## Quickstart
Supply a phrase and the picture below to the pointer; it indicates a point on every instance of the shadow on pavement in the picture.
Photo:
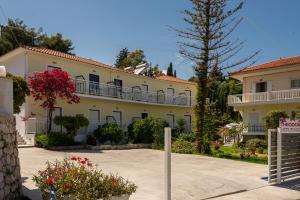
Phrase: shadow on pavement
(33, 194)
(291, 184)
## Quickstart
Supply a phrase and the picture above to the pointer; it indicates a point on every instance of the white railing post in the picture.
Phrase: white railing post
(167, 163)
(279, 154)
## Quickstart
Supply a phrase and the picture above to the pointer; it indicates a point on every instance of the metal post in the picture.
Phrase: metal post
(279, 154)
(167, 163)
(269, 153)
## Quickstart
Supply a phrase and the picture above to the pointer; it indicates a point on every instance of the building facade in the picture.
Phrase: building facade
(107, 94)
(273, 86)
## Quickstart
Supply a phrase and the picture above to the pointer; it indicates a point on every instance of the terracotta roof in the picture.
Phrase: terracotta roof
(174, 79)
(92, 62)
(273, 64)
(68, 56)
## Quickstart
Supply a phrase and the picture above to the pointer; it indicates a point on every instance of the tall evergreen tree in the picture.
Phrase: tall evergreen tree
(121, 57)
(206, 42)
(170, 69)
(175, 74)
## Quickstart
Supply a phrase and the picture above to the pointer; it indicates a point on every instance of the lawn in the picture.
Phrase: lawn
(235, 154)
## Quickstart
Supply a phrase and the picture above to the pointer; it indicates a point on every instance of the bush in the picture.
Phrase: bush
(180, 125)
(53, 139)
(109, 133)
(71, 123)
(91, 140)
(253, 144)
(272, 119)
(190, 137)
(148, 130)
(78, 178)
(182, 146)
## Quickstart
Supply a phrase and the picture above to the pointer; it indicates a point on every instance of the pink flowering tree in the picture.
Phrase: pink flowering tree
(50, 85)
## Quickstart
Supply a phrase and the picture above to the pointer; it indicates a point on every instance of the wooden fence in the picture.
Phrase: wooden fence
(283, 155)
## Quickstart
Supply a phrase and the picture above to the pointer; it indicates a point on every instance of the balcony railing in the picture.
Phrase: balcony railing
(271, 96)
(39, 125)
(132, 94)
(255, 128)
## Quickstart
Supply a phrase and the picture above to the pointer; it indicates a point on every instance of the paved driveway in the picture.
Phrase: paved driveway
(194, 177)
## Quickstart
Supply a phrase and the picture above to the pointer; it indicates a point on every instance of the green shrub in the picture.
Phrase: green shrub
(180, 125)
(71, 123)
(190, 137)
(148, 130)
(109, 132)
(253, 144)
(182, 146)
(205, 141)
(53, 139)
(272, 119)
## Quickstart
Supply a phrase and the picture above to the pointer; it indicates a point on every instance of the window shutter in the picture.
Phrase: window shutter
(269, 86)
(253, 87)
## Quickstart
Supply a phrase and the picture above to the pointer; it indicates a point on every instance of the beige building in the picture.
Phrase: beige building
(271, 86)
(107, 94)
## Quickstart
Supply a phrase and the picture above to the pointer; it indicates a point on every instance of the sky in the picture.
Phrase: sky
(99, 29)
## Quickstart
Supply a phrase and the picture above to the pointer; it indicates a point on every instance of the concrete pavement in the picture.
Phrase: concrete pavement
(194, 177)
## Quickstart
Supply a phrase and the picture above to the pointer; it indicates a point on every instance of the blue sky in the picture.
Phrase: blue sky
(100, 28)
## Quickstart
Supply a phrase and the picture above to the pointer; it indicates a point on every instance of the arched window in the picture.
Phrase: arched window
(182, 99)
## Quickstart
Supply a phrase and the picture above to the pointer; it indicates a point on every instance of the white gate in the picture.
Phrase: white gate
(283, 155)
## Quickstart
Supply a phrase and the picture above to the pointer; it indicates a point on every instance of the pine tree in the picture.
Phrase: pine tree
(207, 42)
(121, 57)
(175, 75)
(170, 69)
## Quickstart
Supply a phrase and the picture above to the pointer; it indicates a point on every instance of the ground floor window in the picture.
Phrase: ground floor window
(171, 120)
(144, 115)
(117, 115)
(188, 122)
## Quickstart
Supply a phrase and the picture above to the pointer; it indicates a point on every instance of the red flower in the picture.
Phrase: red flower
(50, 181)
(86, 159)
(73, 158)
(56, 177)
(83, 162)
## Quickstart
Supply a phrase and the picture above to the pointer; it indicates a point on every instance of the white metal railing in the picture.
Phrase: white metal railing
(39, 125)
(255, 128)
(264, 96)
(133, 94)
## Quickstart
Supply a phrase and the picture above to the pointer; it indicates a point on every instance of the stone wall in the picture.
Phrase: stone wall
(10, 178)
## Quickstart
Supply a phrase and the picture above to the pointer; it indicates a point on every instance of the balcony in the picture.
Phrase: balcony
(254, 129)
(134, 94)
(272, 97)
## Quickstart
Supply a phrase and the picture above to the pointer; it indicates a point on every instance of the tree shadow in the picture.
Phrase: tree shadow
(34, 194)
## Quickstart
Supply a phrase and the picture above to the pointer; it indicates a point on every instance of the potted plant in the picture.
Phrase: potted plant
(77, 178)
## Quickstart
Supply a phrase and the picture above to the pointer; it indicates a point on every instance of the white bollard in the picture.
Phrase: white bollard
(167, 163)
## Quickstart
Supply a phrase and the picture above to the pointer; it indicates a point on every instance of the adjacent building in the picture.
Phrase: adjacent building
(270, 86)
(107, 94)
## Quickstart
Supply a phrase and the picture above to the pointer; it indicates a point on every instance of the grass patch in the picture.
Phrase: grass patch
(235, 154)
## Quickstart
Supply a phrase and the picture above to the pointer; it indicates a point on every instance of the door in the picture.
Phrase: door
(94, 118)
(170, 95)
(118, 84)
(57, 112)
(188, 123)
(117, 115)
(94, 84)
(188, 97)
(171, 120)
(253, 122)
(144, 89)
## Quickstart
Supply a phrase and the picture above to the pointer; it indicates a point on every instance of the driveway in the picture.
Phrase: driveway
(194, 177)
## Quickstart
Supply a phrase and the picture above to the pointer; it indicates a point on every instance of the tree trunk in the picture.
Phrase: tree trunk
(49, 121)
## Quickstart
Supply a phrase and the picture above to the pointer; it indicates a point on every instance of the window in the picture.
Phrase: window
(93, 84)
(117, 115)
(295, 83)
(52, 67)
(144, 115)
(261, 87)
(171, 120)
